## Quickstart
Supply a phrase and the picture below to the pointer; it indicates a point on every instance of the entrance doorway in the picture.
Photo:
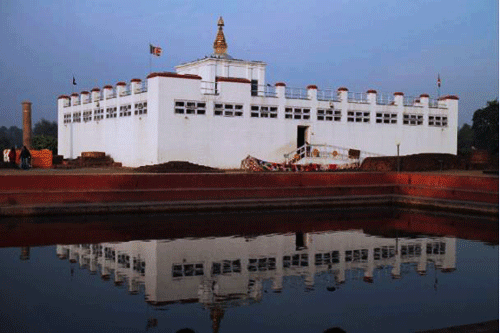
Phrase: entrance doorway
(302, 132)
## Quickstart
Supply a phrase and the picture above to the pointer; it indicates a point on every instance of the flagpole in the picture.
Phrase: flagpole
(150, 56)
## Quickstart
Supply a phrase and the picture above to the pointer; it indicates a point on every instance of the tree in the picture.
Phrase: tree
(485, 127)
(465, 139)
(40, 142)
(45, 127)
(9, 137)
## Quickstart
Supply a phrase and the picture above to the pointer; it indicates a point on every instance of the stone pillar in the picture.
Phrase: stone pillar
(27, 124)
(312, 92)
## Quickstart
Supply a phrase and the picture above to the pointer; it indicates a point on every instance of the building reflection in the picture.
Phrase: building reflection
(230, 271)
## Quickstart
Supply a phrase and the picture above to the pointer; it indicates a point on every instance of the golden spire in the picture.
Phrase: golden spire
(220, 45)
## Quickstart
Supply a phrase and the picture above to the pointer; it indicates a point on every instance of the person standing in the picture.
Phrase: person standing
(25, 158)
(12, 157)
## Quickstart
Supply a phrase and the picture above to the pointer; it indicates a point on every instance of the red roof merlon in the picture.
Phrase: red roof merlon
(312, 86)
(63, 96)
(95, 89)
(399, 93)
(84, 92)
(135, 80)
(171, 74)
(424, 95)
(232, 79)
(121, 83)
(371, 91)
(74, 95)
(342, 89)
(108, 86)
(280, 84)
(449, 97)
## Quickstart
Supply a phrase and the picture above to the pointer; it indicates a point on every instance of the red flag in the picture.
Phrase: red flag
(156, 50)
(439, 81)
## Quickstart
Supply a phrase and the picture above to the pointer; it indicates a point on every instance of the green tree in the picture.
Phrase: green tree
(45, 127)
(485, 127)
(40, 142)
(465, 139)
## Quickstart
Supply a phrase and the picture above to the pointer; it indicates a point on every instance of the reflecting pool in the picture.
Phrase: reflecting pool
(362, 270)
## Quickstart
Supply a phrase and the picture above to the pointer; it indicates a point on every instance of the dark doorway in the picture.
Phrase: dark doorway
(301, 135)
(299, 241)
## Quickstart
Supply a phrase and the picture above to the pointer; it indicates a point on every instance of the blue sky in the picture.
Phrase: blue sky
(388, 46)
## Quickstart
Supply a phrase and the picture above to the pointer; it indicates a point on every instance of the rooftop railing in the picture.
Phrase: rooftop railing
(208, 88)
(295, 93)
(385, 99)
(328, 95)
(354, 97)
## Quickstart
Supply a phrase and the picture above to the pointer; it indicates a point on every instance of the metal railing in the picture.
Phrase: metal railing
(127, 91)
(354, 97)
(324, 151)
(267, 91)
(209, 88)
(409, 100)
(385, 99)
(296, 93)
(328, 95)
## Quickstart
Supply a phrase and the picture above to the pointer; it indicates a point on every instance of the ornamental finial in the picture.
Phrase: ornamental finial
(220, 45)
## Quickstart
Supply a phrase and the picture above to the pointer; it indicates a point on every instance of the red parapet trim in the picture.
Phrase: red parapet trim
(371, 91)
(417, 101)
(121, 83)
(399, 93)
(135, 80)
(95, 89)
(342, 89)
(63, 96)
(424, 95)
(171, 74)
(312, 86)
(449, 97)
(108, 86)
(74, 95)
(280, 84)
(232, 79)
(84, 92)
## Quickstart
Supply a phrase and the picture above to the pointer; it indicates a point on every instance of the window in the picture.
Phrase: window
(141, 108)
(326, 258)
(297, 260)
(358, 117)
(411, 250)
(87, 115)
(261, 264)
(125, 110)
(179, 270)
(111, 112)
(124, 260)
(77, 117)
(190, 107)
(263, 111)
(438, 121)
(255, 87)
(98, 114)
(413, 119)
(297, 113)
(386, 118)
(436, 248)
(67, 118)
(384, 252)
(139, 266)
(328, 115)
(226, 267)
(228, 110)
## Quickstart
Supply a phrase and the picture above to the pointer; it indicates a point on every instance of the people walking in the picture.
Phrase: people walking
(25, 158)
(12, 157)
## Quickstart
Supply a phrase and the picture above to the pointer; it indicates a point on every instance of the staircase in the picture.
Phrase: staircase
(326, 154)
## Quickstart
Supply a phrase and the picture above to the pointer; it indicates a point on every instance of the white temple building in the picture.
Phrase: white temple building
(217, 110)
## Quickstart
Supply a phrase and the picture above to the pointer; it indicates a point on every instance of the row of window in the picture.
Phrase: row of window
(111, 112)
(302, 260)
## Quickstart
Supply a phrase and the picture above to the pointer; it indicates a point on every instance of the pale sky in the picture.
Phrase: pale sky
(388, 46)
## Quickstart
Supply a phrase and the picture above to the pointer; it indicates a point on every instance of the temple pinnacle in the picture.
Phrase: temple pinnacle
(220, 45)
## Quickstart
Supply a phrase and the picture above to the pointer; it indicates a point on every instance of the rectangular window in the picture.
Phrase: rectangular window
(140, 108)
(261, 264)
(87, 115)
(358, 117)
(255, 87)
(438, 121)
(67, 118)
(328, 115)
(226, 267)
(297, 113)
(98, 114)
(179, 270)
(297, 260)
(77, 117)
(111, 112)
(125, 110)
(190, 107)
(386, 118)
(228, 110)
(263, 111)
(413, 119)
